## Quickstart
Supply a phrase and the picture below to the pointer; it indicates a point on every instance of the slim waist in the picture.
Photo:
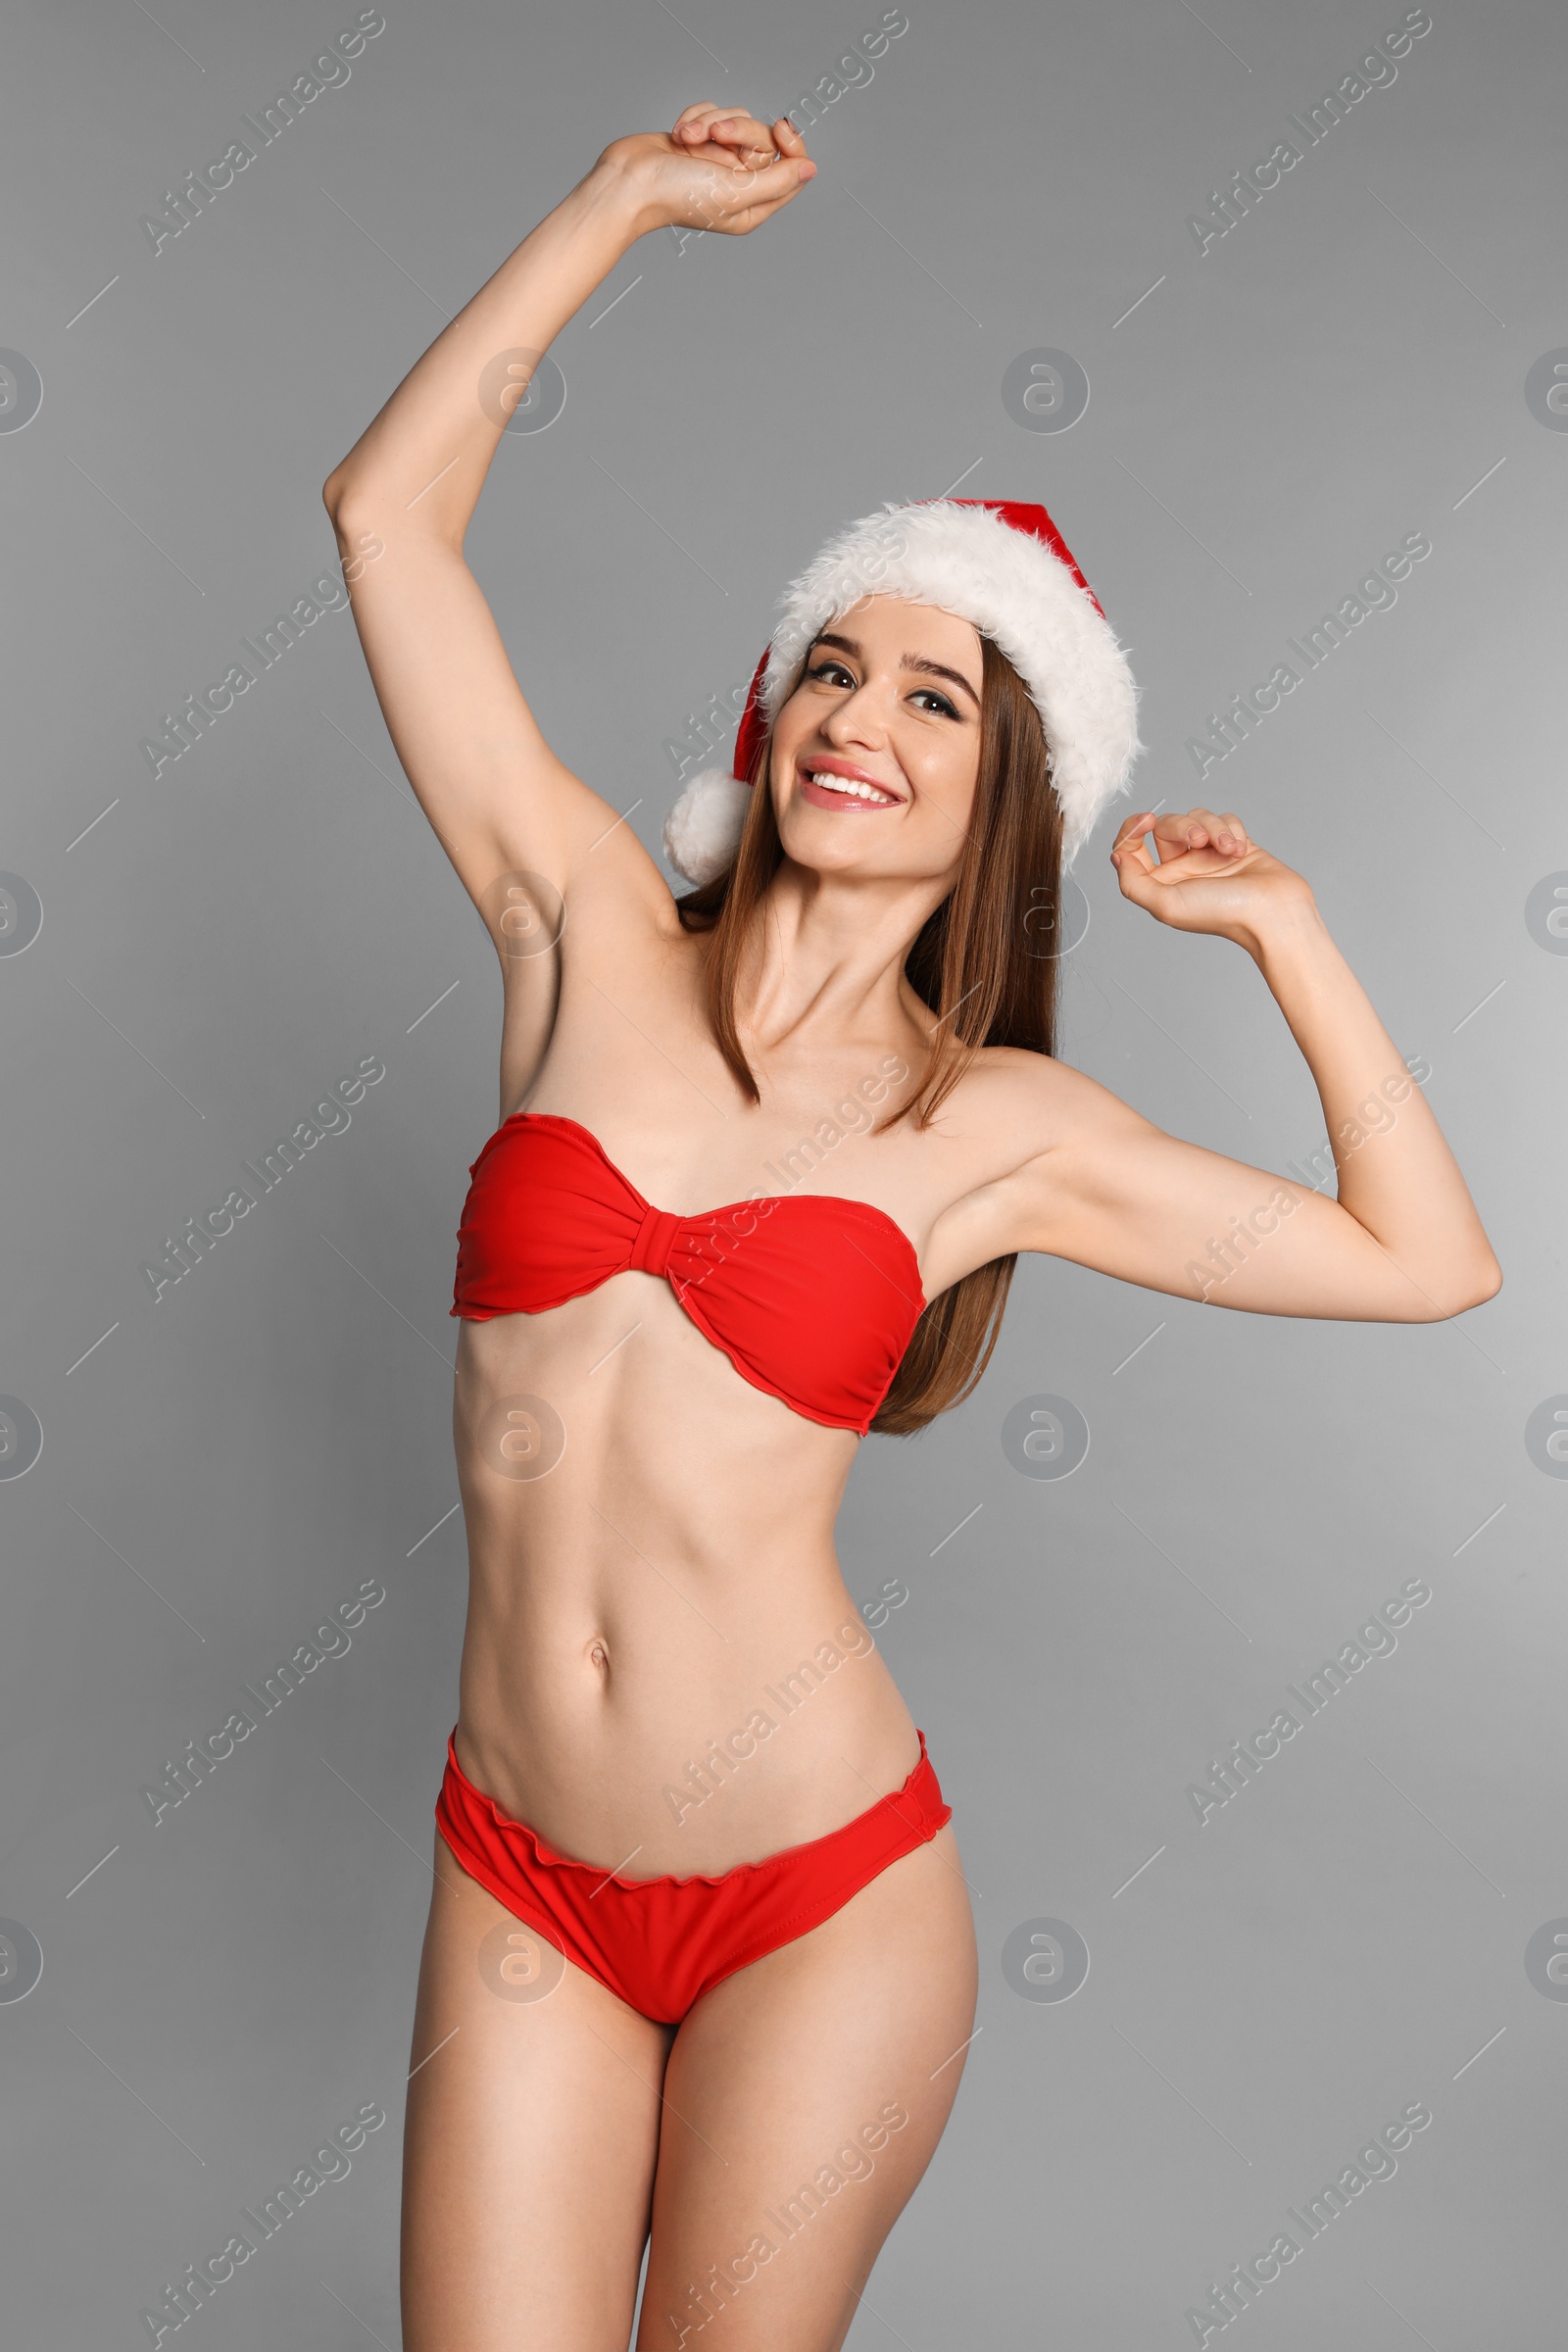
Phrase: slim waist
(466, 1814)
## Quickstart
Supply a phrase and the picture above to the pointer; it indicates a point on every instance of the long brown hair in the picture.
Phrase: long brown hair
(985, 962)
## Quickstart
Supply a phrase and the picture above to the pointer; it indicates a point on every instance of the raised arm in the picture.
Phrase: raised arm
(1403, 1242)
(401, 499)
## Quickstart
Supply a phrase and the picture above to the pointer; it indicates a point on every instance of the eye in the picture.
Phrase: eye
(827, 666)
(930, 693)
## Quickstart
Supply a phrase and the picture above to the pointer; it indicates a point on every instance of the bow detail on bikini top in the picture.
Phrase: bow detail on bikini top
(813, 1298)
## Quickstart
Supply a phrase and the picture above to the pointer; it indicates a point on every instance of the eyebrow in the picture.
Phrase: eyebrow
(935, 669)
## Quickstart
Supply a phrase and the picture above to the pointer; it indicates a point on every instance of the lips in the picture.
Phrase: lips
(837, 784)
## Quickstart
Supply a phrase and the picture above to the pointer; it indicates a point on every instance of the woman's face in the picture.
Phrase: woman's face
(877, 753)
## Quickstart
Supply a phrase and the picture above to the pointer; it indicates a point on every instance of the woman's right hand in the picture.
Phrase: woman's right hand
(502, 803)
(720, 169)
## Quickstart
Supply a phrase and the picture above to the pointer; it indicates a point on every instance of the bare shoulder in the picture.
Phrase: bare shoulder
(1030, 1103)
(1029, 1130)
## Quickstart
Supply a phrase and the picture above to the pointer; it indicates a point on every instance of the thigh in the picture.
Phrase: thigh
(532, 2133)
(814, 2085)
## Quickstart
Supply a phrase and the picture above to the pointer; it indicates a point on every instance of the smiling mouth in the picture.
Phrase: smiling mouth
(826, 790)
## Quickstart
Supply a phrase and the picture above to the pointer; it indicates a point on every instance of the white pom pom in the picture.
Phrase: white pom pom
(704, 828)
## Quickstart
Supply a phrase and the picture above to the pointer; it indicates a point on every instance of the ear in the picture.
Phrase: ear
(702, 831)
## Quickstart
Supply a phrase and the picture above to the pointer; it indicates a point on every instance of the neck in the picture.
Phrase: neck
(827, 958)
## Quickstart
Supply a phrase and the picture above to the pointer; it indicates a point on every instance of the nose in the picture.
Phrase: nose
(859, 718)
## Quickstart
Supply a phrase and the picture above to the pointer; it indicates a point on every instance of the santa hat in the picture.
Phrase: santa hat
(998, 563)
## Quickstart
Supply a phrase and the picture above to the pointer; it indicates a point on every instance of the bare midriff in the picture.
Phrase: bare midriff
(658, 1592)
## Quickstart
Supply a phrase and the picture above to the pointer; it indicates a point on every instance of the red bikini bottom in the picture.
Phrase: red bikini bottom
(661, 1944)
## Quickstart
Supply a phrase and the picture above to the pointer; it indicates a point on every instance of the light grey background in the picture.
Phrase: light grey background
(1338, 370)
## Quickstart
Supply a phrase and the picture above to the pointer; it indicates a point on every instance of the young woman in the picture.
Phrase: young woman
(700, 1968)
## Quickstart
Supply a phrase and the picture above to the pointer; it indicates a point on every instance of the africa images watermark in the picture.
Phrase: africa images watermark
(1246, 2281)
(855, 1117)
(1231, 1251)
(724, 1758)
(330, 1640)
(708, 2298)
(1229, 726)
(1377, 70)
(1228, 1776)
(850, 72)
(199, 1233)
(1318, 1169)
(706, 729)
(186, 204)
(713, 1236)
(178, 730)
(200, 2282)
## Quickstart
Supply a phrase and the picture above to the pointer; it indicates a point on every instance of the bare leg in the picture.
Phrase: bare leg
(531, 2138)
(792, 2077)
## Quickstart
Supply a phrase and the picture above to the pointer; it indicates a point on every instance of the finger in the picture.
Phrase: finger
(1129, 853)
(742, 196)
(1137, 874)
(1184, 830)
(703, 111)
(1225, 835)
(743, 140)
(729, 127)
(744, 128)
(734, 162)
(1132, 828)
(692, 133)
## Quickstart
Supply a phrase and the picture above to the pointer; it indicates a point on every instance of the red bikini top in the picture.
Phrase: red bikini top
(813, 1298)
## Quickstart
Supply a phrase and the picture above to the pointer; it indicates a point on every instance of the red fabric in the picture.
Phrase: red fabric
(661, 1944)
(1017, 513)
(753, 723)
(813, 1298)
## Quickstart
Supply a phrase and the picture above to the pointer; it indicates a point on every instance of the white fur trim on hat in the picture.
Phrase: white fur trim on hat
(704, 827)
(968, 561)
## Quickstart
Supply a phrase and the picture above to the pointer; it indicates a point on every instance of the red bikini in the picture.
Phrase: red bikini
(661, 1943)
(549, 1217)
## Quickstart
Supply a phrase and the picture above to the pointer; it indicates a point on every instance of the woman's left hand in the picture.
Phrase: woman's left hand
(1209, 875)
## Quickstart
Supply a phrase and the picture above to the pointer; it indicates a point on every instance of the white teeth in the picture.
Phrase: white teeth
(849, 784)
